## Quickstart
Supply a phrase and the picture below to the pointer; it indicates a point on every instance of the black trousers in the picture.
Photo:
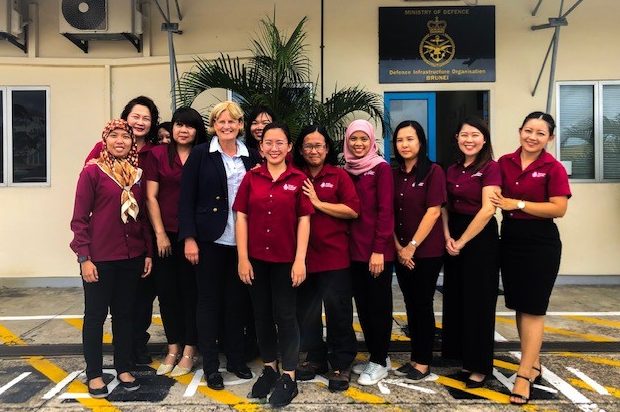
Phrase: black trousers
(373, 300)
(176, 289)
(275, 312)
(418, 287)
(334, 289)
(223, 305)
(116, 290)
(146, 292)
(470, 287)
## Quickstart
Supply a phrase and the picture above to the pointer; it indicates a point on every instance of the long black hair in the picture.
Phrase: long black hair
(281, 126)
(542, 116)
(150, 104)
(486, 153)
(331, 157)
(423, 164)
(250, 141)
(188, 117)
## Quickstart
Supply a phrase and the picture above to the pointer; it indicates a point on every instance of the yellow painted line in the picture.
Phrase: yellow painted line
(505, 365)
(157, 320)
(565, 332)
(591, 358)
(9, 338)
(581, 384)
(57, 374)
(224, 397)
(482, 392)
(403, 318)
(364, 397)
(596, 321)
(79, 325)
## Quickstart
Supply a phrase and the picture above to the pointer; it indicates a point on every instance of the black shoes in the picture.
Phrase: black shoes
(415, 375)
(523, 400)
(99, 392)
(265, 383)
(404, 370)
(339, 381)
(472, 384)
(130, 386)
(284, 392)
(538, 379)
(241, 371)
(215, 381)
(309, 369)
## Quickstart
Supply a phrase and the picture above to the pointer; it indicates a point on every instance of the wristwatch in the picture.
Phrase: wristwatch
(82, 259)
(521, 204)
(413, 243)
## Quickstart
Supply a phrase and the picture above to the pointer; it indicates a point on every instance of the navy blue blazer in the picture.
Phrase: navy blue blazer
(203, 203)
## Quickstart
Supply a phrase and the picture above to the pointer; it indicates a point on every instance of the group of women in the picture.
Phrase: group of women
(265, 227)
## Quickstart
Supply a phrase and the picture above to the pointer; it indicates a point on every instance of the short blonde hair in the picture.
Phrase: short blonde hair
(233, 109)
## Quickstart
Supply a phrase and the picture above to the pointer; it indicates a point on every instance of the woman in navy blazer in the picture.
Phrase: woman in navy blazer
(211, 177)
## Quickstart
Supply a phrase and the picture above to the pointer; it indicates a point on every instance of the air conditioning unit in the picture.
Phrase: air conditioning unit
(11, 12)
(100, 17)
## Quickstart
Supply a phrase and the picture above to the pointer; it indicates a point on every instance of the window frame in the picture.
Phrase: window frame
(597, 88)
(7, 92)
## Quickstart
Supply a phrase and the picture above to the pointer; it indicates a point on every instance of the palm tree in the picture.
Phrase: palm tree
(278, 76)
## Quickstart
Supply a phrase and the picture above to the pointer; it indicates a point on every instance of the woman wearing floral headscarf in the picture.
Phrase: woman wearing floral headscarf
(112, 241)
(371, 247)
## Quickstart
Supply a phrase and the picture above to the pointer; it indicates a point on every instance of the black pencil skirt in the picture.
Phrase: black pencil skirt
(530, 261)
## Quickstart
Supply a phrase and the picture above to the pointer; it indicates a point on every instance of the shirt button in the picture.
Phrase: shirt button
(463, 171)
(269, 212)
(267, 248)
(511, 214)
(126, 235)
(270, 195)
(405, 179)
(457, 185)
(400, 208)
(217, 198)
(517, 183)
(401, 194)
(400, 224)
(215, 209)
(268, 230)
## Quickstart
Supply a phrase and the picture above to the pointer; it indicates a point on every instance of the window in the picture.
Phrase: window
(589, 129)
(24, 134)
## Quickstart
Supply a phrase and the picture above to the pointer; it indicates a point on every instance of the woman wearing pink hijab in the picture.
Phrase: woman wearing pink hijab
(371, 247)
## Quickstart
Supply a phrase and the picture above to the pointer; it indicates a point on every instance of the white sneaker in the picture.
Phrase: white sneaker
(359, 368)
(373, 373)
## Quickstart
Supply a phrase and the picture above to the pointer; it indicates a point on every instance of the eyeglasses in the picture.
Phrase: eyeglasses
(269, 144)
(319, 147)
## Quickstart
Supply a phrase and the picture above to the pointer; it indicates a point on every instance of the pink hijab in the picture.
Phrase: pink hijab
(354, 165)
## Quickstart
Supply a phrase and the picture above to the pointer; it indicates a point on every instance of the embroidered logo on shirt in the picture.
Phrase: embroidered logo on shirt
(369, 173)
(538, 174)
(290, 187)
(326, 185)
(479, 174)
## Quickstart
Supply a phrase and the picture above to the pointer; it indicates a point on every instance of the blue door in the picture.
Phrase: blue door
(420, 107)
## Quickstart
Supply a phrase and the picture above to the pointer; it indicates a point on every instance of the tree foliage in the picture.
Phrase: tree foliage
(277, 75)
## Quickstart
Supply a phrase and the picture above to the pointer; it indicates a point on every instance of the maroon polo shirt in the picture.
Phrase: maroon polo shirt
(142, 154)
(98, 230)
(411, 201)
(329, 236)
(465, 186)
(545, 177)
(373, 231)
(273, 208)
(157, 168)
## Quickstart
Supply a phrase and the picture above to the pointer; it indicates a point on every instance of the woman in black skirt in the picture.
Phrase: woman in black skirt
(535, 190)
(471, 268)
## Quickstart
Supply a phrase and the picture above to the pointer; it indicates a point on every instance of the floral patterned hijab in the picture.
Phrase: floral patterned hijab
(124, 171)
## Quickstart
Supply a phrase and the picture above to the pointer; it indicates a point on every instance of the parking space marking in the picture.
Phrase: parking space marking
(13, 382)
(489, 394)
(9, 338)
(223, 396)
(615, 392)
(565, 332)
(600, 322)
(598, 388)
(394, 337)
(60, 385)
(79, 325)
(592, 358)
